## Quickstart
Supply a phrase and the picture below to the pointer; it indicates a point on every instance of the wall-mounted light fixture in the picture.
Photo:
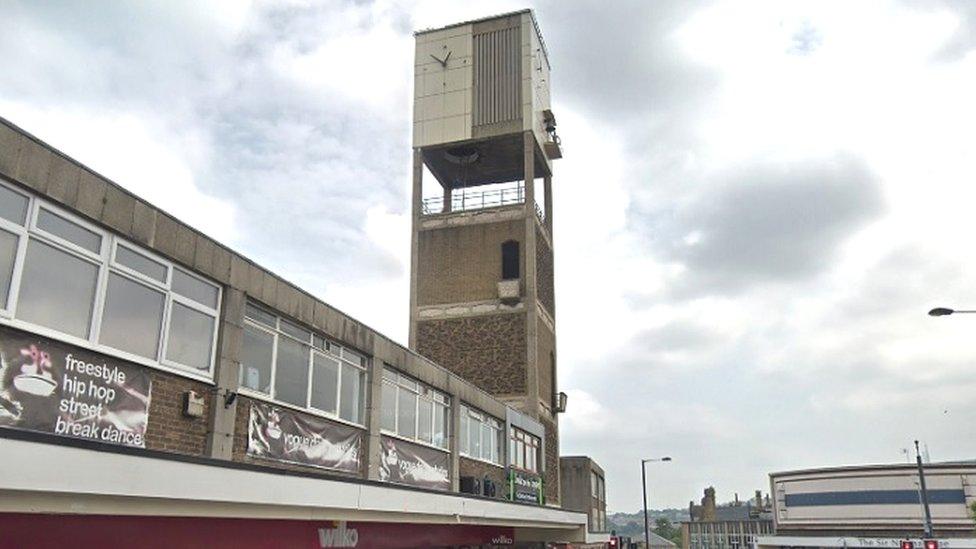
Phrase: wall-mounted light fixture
(561, 400)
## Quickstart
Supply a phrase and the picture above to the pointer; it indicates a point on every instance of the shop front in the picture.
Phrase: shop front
(100, 531)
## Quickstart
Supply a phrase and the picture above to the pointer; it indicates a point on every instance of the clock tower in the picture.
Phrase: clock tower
(484, 139)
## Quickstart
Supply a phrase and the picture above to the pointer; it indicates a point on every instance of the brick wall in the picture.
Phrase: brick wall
(552, 460)
(463, 264)
(544, 274)
(545, 349)
(488, 351)
(168, 429)
(480, 469)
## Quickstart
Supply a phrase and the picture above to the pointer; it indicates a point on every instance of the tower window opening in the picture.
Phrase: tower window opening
(510, 260)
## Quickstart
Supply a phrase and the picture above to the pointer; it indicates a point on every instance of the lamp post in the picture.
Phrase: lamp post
(925, 496)
(647, 528)
(944, 311)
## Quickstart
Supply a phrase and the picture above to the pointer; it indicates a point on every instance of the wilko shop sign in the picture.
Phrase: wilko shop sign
(40, 531)
(503, 540)
(524, 487)
(52, 387)
(338, 535)
(282, 435)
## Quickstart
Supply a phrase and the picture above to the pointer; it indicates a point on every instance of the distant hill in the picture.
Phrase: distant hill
(631, 524)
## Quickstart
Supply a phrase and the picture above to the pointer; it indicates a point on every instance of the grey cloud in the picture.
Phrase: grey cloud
(675, 336)
(623, 67)
(301, 166)
(770, 223)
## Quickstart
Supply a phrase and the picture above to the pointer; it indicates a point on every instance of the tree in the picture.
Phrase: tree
(664, 528)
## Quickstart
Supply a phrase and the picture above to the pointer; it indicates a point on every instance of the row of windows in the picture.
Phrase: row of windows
(60, 274)
(598, 513)
(63, 275)
(523, 450)
(480, 436)
(285, 362)
(414, 410)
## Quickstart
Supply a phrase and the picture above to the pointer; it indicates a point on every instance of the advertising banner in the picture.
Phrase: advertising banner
(283, 435)
(52, 387)
(413, 464)
(524, 487)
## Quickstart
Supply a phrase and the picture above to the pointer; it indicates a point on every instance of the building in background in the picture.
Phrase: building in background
(872, 506)
(734, 526)
(583, 485)
(482, 300)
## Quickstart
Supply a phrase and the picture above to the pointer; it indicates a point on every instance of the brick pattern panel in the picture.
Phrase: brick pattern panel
(480, 470)
(168, 429)
(240, 447)
(488, 351)
(544, 274)
(552, 460)
(546, 357)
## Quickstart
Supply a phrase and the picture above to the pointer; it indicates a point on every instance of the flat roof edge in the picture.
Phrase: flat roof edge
(472, 21)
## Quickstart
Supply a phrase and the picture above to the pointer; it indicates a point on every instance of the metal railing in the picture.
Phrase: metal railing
(466, 200)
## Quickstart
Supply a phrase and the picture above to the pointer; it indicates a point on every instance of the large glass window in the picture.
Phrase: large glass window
(413, 410)
(481, 435)
(257, 357)
(57, 289)
(13, 205)
(8, 256)
(189, 336)
(388, 422)
(325, 383)
(133, 316)
(524, 449)
(59, 273)
(290, 364)
(351, 398)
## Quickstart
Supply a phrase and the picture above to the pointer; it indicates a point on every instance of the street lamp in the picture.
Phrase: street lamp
(928, 534)
(943, 311)
(647, 529)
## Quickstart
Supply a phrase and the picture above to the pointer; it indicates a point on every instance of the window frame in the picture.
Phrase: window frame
(402, 382)
(474, 416)
(328, 349)
(511, 258)
(106, 264)
(520, 455)
(22, 234)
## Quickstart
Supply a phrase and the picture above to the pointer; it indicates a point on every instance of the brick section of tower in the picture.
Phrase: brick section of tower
(487, 350)
(552, 460)
(544, 274)
(546, 345)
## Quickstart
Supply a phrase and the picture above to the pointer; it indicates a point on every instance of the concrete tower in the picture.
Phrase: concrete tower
(482, 299)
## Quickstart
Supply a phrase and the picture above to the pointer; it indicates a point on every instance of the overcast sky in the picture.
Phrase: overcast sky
(757, 205)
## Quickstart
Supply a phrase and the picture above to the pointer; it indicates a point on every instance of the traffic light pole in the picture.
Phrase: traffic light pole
(928, 534)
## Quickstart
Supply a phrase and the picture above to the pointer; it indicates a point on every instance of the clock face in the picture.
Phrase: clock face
(443, 57)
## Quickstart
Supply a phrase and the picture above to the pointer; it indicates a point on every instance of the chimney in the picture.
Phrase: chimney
(708, 505)
(759, 499)
(737, 503)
